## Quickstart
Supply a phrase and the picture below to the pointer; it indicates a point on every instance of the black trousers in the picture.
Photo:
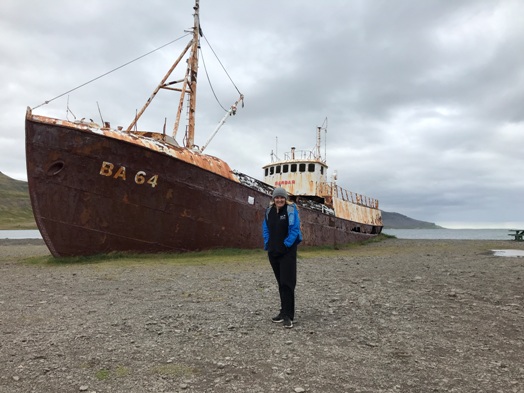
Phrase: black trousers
(285, 269)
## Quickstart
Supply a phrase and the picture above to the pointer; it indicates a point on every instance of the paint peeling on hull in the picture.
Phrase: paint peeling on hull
(150, 141)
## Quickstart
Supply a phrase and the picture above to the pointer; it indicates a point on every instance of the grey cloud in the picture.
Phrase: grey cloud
(423, 99)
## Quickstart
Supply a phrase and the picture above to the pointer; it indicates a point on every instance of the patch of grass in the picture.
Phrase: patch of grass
(326, 251)
(129, 259)
(383, 236)
(118, 372)
(16, 218)
(121, 371)
(208, 257)
(173, 370)
(102, 375)
(18, 223)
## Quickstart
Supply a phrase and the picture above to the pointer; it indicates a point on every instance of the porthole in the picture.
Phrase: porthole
(55, 168)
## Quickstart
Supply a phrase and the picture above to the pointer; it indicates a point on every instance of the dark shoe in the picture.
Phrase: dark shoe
(288, 323)
(278, 318)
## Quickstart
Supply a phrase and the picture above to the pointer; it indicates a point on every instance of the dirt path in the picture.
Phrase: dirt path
(394, 316)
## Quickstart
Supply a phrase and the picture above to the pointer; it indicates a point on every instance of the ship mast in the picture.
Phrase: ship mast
(189, 88)
(192, 75)
(189, 84)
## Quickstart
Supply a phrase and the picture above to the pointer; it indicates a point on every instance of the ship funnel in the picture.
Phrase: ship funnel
(292, 153)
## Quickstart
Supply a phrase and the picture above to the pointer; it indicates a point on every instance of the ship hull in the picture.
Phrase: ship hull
(92, 194)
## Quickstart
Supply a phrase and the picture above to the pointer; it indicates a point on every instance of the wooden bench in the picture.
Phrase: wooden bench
(518, 234)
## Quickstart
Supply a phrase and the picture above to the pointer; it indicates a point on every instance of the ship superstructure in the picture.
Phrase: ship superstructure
(304, 174)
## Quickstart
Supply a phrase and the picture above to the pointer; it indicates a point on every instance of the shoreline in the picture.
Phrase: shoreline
(40, 241)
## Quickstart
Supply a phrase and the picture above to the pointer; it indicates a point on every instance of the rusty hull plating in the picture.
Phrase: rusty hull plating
(93, 193)
(97, 190)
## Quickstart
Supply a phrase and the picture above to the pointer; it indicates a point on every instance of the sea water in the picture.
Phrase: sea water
(20, 234)
(459, 234)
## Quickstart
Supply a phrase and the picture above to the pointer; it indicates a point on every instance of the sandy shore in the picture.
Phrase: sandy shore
(394, 316)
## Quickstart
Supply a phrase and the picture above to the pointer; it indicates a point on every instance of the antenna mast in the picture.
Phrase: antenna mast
(325, 138)
(317, 147)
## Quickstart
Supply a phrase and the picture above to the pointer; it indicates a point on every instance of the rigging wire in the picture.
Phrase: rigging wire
(68, 110)
(205, 38)
(109, 72)
(325, 124)
(209, 81)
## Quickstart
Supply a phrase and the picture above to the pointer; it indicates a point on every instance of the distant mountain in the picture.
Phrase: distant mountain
(15, 206)
(16, 211)
(399, 221)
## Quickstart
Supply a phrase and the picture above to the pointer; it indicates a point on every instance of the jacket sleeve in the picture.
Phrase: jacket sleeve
(294, 234)
(265, 232)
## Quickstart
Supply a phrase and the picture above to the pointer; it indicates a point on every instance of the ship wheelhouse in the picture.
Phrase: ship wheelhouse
(299, 176)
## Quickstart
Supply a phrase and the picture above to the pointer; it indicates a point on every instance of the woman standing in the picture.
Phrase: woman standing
(281, 231)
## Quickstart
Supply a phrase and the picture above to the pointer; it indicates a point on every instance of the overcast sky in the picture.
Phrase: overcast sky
(424, 99)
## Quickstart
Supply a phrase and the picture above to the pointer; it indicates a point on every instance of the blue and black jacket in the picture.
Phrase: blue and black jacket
(279, 237)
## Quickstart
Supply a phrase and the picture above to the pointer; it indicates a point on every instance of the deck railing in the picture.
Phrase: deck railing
(330, 189)
(297, 155)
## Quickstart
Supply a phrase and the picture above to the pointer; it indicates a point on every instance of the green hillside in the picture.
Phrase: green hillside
(400, 221)
(15, 206)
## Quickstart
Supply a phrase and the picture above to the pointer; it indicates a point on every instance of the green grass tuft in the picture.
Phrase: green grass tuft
(174, 370)
(121, 258)
(118, 372)
(208, 257)
(102, 375)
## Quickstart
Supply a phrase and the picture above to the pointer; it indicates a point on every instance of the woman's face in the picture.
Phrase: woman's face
(280, 201)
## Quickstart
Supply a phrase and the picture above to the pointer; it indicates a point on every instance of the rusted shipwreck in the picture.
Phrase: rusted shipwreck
(95, 189)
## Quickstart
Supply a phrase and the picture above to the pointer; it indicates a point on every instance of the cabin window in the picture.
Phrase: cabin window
(285, 168)
(293, 167)
(321, 170)
(311, 168)
(271, 170)
(302, 167)
(278, 169)
(266, 172)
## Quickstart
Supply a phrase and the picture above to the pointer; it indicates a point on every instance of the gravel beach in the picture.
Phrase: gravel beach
(393, 316)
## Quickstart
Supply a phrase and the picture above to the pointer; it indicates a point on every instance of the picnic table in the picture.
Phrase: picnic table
(518, 234)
